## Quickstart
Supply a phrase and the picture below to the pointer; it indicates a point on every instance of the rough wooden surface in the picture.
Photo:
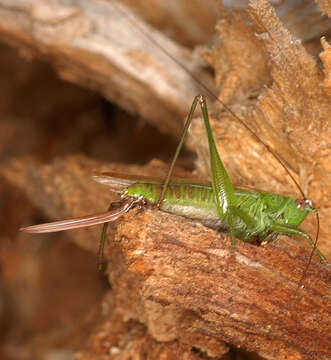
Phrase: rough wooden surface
(182, 280)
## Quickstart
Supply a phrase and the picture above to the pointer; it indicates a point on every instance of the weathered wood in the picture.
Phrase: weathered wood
(184, 282)
(247, 299)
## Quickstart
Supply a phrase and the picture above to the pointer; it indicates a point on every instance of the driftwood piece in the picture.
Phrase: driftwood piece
(184, 282)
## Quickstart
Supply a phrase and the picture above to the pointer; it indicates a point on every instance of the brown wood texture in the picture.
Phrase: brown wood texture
(184, 282)
(178, 289)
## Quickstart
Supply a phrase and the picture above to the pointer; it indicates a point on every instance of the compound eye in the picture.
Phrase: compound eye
(301, 204)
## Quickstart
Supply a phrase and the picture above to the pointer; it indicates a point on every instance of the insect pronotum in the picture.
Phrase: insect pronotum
(242, 213)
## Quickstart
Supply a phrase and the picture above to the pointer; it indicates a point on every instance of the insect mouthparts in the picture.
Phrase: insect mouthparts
(309, 203)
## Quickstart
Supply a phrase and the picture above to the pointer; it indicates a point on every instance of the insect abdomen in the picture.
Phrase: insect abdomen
(190, 200)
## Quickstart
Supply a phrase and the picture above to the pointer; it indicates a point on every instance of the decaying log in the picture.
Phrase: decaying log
(184, 282)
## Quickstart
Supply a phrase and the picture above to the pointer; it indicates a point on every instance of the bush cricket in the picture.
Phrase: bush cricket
(244, 214)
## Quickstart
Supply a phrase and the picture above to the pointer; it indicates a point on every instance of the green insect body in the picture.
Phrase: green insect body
(268, 212)
(244, 214)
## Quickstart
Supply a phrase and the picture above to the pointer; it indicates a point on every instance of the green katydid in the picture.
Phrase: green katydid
(243, 213)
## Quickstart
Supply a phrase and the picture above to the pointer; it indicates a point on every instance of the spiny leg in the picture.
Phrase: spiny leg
(287, 230)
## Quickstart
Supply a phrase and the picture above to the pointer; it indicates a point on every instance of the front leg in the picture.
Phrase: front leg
(288, 230)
